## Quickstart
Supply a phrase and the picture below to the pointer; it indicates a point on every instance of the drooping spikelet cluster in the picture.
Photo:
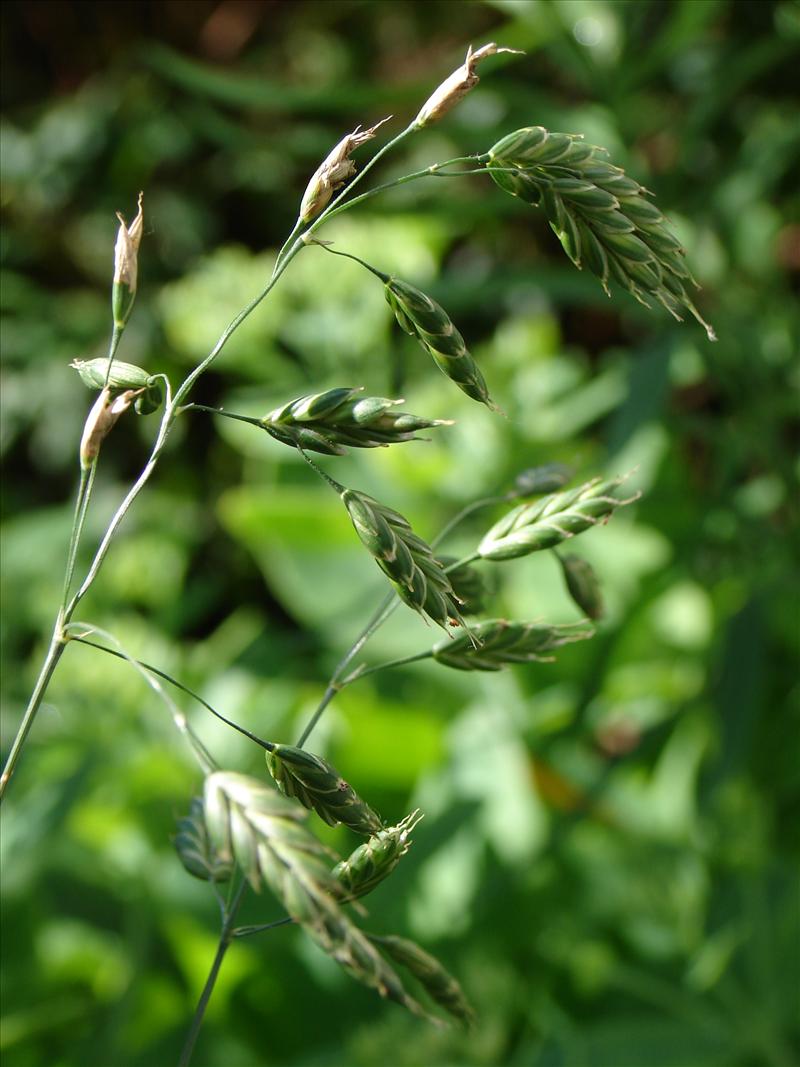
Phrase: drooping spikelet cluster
(426, 321)
(249, 822)
(600, 214)
(329, 422)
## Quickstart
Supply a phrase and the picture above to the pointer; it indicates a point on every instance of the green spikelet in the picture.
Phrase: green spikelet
(551, 520)
(498, 643)
(329, 422)
(195, 849)
(407, 560)
(319, 786)
(438, 983)
(601, 216)
(265, 835)
(372, 862)
(583, 585)
(429, 323)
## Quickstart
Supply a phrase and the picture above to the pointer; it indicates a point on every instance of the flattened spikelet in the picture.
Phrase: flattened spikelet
(329, 422)
(372, 862)
(601, 215)
(438, 983)
(499, 642)
(428, 322)
(548, 522)
(196, 850)
(407, 560)
(319, 786)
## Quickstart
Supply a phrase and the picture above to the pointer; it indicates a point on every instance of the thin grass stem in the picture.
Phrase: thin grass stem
(201, 753)
(268, 745)
(227, 934)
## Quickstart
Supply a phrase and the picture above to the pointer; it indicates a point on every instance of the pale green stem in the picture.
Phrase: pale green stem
(204, 758)
(227, 934)
(54, 653)
(385, 666)
(379, 617)
(226, 414)
(81, 507)
(259, 928)
(428, 172)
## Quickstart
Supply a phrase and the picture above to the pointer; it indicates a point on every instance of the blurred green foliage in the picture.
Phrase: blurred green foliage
(608, 858)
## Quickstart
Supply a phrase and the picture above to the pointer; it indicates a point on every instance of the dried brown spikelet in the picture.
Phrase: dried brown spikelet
(457, 85)
(334, 171)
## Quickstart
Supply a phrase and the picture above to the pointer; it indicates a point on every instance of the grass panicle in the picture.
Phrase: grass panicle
(196, 850)
(374, 861)
(426, 321)
(265, 835)
(406, 560)
(498, 643)
(601, 215)
(317, 785)
(438, 983)
(548, 522)
(582, 584)
(332, 421)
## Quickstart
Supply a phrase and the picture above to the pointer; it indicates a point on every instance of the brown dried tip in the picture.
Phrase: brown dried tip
(458, 84)
(126, 250)
(334, 171)
(102, 417)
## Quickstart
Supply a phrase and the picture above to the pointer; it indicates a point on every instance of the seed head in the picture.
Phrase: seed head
(372, 862)
(334, 171)
(329, 422)
(547, 522)
(601, 215)
(408, 561)
(149, 392)
(456, 87)
(265, 835)
(498, 642)
(426, 321)
(319, 786)
(195, 849)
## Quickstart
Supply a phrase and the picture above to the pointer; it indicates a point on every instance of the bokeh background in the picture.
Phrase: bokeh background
(608, 858)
